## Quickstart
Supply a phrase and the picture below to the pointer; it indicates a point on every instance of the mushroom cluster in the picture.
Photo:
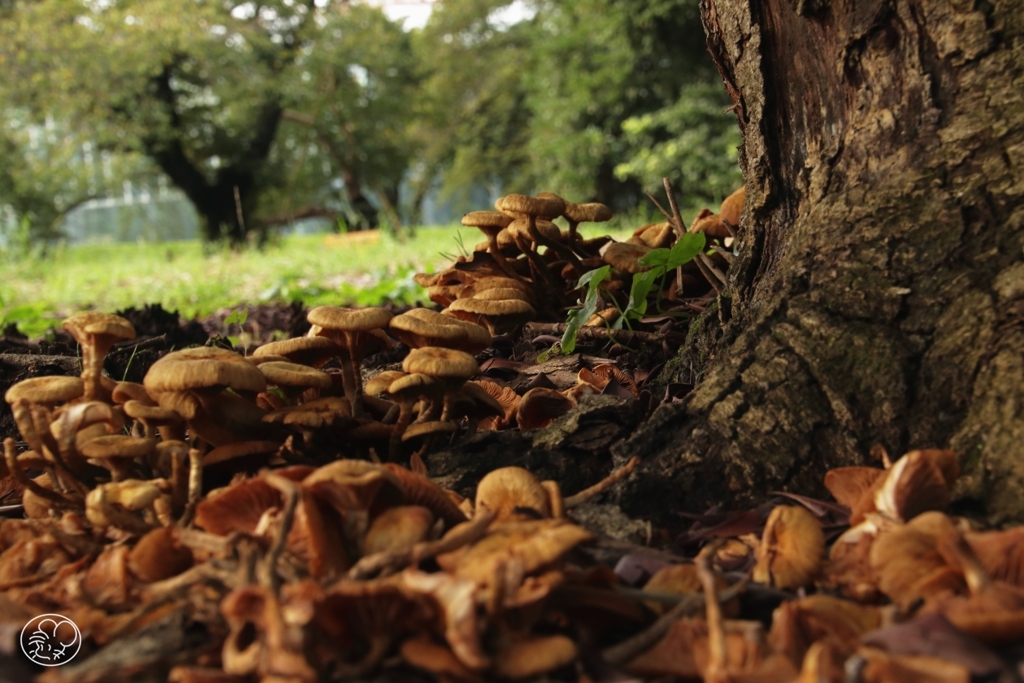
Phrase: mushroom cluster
(528, 269)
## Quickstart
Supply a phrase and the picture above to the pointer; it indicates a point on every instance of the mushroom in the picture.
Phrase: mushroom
(791, 550)
(732, 207)
(497, 315)
(504, 490)
(359, 333)
(540, 407)
(116, 452)
(491, 223)
(95, 333)
(312, 351)
(529, 656)
(421, 327)
(592, 212)
(398, 529)
(448, 367)
(625, 257)
(47, 391)
(292, 378)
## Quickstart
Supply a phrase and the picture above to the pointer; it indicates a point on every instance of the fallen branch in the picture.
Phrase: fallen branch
(603, 334)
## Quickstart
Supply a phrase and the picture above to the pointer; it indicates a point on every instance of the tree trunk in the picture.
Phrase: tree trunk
(879, 293)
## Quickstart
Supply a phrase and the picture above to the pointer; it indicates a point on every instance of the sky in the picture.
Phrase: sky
(416, 14)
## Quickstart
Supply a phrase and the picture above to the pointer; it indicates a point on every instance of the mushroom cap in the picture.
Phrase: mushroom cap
(591, 212)
(522, 205)
(117, 446)
(732, 206)
(521, 228)
(421, 327)
(625, 257)
(500, 294)
(424, 429)
(413, 385)
(313, 351)
(484, 404)
(709, 223)
(46, 390)
(397, 529)
(440, 363)
(421, 490)
(349, 319)
(137, 410)
(534, 655)
(540, 407)
(492, 310)
(355, 485)
(240, 449)
(655, 235)
(488, 221)
(380, 382)
(439, 660)
(792, 548)
(87, 324)
(507, 488)
(492, 282)
(131, 391)
(203, 367)
(284, 374)
(159, 555)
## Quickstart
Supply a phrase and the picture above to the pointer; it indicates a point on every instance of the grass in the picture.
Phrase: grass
(36, 294)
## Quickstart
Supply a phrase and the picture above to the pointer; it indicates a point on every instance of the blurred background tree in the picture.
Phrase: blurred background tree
(266, 113)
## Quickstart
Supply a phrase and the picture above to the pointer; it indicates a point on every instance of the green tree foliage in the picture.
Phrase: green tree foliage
(472, 122)
(200, 87)
(45, 172)
(595, 99)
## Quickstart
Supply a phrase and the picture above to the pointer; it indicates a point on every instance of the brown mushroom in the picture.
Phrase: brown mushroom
(792, 548)
(360, 333)
(540, 407)
(421, 327)
(96, 333)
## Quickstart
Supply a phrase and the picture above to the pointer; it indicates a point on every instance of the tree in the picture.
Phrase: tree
(201, 89)
(49, 170)
(355, 95)
(879, 293)
(594, 99)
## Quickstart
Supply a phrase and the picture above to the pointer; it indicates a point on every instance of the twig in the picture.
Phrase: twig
(708, 274)
(603, 334)
(680, 228)
(606, 483)
(664, 213)
(676, 218)
(290, 491)
(717, 668)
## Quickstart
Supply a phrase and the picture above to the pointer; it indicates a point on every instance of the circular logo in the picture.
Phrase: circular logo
(51, 640)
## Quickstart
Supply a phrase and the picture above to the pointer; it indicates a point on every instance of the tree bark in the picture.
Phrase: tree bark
(879, 293)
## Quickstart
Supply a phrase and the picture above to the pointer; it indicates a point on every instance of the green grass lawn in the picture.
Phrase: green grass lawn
(37, 294)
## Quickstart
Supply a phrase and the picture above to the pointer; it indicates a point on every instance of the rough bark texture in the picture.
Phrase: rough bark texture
(879, 294)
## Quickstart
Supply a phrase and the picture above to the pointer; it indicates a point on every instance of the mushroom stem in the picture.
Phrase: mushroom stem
(560, 249)
(403, 422)
(499, 258)
(11, 456)
(350, 380)
(195, 485)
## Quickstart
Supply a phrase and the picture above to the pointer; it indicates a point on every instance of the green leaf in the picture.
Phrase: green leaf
(642, 285)
(685, 249)
(592, 281)
(655, 257)
(238, 316)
